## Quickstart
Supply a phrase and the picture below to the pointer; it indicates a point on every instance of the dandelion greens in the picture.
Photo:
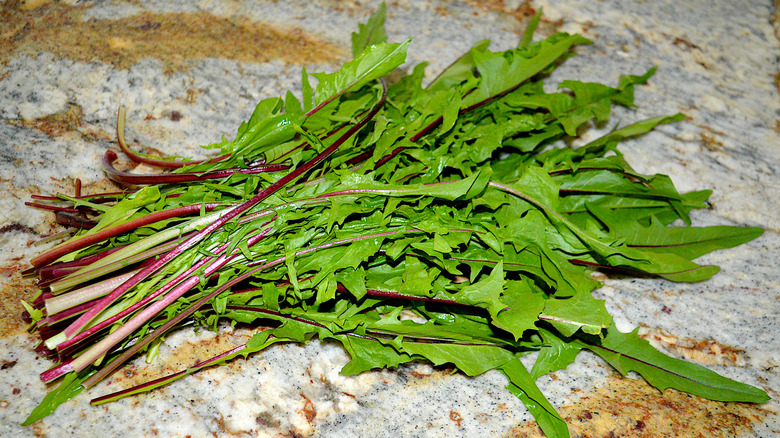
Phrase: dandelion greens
(328, 216)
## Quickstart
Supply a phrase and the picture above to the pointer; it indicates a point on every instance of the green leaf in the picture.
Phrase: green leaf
(373, 63)
(503, 71)
(417, 278)
(523, 306)
(528, 33)
(628, 352)
(126, 208)
(465, 188)
(67, 389)
(633, 130)
(557, 353)
(368, 354)
(353, 280)
(473, 360)
(371, 33)
(459, 71)
(307, 91)
(687, 242)
(524, 387)
(666, 265)
(486, 293)
(579, 312)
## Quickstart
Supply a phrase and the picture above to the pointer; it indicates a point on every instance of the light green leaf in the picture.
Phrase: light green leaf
(371, 33)
(503, 71)
(486, 293)
(579, 312)
(556, 353)
(373, 63)
(67, 389)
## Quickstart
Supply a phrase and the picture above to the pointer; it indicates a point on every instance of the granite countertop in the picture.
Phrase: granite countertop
(190, 74)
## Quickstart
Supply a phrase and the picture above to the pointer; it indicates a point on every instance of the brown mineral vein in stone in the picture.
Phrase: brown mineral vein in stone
(13, 292)
(521, 12)
(55, 125)
(707, 352)
(174, 38)
(184, 356)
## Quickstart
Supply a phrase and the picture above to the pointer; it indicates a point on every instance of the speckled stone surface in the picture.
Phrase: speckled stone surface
(718, 64)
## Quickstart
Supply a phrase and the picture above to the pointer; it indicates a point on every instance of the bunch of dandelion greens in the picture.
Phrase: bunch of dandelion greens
(329, 216)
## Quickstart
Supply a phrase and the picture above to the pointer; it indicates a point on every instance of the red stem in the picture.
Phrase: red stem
(74, 245)
(165, 164)
(98, 197)
(171, 178)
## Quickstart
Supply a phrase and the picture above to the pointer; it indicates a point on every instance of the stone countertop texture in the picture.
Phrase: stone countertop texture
(190, 73)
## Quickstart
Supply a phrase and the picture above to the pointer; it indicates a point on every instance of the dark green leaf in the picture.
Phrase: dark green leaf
(524, 387)
(628, 352)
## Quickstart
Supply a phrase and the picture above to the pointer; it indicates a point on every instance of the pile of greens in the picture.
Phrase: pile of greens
(434, 223)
